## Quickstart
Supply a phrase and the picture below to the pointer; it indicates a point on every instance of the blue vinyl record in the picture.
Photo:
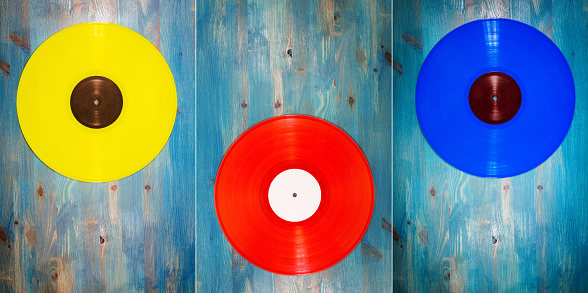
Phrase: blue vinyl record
(495, 98)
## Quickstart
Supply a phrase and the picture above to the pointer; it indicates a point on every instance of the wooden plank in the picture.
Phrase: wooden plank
(262, 59)
(568, 265)
(410, 271)
(8, 228)
(370, 101)
(472, 234)
(32, 242)
(263, 30)
(217, 48)
(134, 234)
(177, 40)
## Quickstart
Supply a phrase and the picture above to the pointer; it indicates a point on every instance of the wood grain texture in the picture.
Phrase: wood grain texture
(456, 232)
(133, 235)
(150, 232)
(258, 59)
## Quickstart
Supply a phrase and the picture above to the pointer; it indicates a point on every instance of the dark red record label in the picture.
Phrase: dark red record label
(495, 97)
(294, 195)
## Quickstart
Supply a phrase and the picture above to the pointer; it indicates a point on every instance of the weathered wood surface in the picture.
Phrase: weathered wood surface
(258, 59)
(455, 232)
(253, 60)
(133, 235)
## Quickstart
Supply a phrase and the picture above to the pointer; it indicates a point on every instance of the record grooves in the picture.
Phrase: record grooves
(294, 194)
(96, 102)
(495, 98)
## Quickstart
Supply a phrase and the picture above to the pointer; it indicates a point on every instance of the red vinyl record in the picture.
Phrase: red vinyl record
(294, 195)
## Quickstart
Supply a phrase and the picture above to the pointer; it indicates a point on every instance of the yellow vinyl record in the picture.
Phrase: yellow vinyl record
(96, 102)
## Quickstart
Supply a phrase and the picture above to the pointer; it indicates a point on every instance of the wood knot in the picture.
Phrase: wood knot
(5, 67)
(395, 234)
(277, 104)
(148, 187)
(386, 225)
(397, 66)
(432, 191)
(351, 101)
(243, 105)
(114, 187)
(20, 41)
(368, 249)
(40, 191)
(388, 57)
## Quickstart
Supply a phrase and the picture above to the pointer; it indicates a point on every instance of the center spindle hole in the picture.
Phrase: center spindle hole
(494, 98)
(294, 194)
(96, 102)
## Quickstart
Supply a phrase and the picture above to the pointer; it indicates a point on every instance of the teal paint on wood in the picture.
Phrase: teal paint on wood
(134, 234)
(258, 59)
(463, 233)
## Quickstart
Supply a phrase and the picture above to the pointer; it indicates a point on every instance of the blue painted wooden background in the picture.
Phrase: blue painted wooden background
(455, 232)
(136, 234)
(258, 59)
(235, 63)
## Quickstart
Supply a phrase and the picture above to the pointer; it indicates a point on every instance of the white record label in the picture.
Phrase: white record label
(294, 195)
